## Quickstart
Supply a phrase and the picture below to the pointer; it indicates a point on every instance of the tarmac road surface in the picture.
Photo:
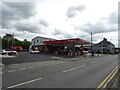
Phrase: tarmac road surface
(88, 73)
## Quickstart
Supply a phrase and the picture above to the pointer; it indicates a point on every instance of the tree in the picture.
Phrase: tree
(8, 40)
(0, 43)
(8, 36)
(26, 44)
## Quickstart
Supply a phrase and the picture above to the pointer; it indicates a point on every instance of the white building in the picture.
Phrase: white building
(37, 43)
(39, 40)
(104, 47)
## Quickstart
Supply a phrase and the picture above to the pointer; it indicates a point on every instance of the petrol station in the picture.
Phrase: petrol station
(70, 47)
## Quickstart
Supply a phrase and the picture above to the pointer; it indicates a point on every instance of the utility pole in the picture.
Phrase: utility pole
(102, 44)
(7, 43)
(12, 41)
(92, 46)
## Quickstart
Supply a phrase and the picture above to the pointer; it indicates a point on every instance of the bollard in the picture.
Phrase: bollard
(68, 53)
(72, 54)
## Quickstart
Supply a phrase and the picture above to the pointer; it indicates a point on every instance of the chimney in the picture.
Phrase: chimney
(104, 39)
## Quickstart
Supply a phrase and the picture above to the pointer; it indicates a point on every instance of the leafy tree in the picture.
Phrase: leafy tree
(4, 43)
(17, 42)
(8, 40)
(0, 43)
(8, 37)
(26, 44)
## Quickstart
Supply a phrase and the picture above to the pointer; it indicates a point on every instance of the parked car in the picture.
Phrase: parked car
(34, 51)
(9, 52)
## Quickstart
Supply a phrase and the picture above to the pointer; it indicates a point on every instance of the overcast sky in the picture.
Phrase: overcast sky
(61, 19)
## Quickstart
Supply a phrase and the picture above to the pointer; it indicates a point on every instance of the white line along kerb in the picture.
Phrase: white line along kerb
(25, 83)
(74, 68)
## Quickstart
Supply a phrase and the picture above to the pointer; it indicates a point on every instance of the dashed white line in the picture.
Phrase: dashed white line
(46, 64)
(1, 72)
(32, 67)
(25, 83)
(22, 69)
(29, 67)
(52, 64)
(74, 68)
(11, 71)
(94, 62)
(40, 66)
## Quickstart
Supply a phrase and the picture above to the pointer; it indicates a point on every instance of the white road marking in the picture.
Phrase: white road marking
(11, 71)
(25, 83)
(46, 64)
(32, 67)
(74, 68)
(52, 64)
(94, 62)
(1, 72)
(29, 67)
(40, 66)
(22, 69)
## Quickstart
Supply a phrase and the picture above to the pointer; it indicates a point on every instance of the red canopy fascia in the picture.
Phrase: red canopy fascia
(73, 41)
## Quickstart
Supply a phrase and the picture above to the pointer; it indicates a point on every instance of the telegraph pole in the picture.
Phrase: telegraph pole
(12, 41)
(92, 53)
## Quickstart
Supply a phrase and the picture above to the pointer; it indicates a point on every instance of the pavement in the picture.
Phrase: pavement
(63, 73)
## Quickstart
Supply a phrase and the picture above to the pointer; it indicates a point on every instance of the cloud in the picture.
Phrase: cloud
(95, 28)
(62, 34)
(57, 32)
(27, 27)
(33, 26)
(12, 11)
(72, 10)
(44, 23)
(113, 18)
(68, 35)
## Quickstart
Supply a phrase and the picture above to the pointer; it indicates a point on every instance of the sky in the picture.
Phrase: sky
(60, 19)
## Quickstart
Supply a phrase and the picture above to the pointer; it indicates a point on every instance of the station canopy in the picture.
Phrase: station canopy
(75, 41)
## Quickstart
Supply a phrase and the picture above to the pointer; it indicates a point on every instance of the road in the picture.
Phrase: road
(26, 57)
(88, 73)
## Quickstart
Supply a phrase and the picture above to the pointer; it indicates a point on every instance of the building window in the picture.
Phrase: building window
(37, 40)
(104, 45)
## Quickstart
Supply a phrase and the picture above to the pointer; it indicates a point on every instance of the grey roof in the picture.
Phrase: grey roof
(108, 42)
(43, 37)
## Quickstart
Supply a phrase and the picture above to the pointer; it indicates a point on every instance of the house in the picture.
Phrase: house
(103, 47)
(37, 43)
